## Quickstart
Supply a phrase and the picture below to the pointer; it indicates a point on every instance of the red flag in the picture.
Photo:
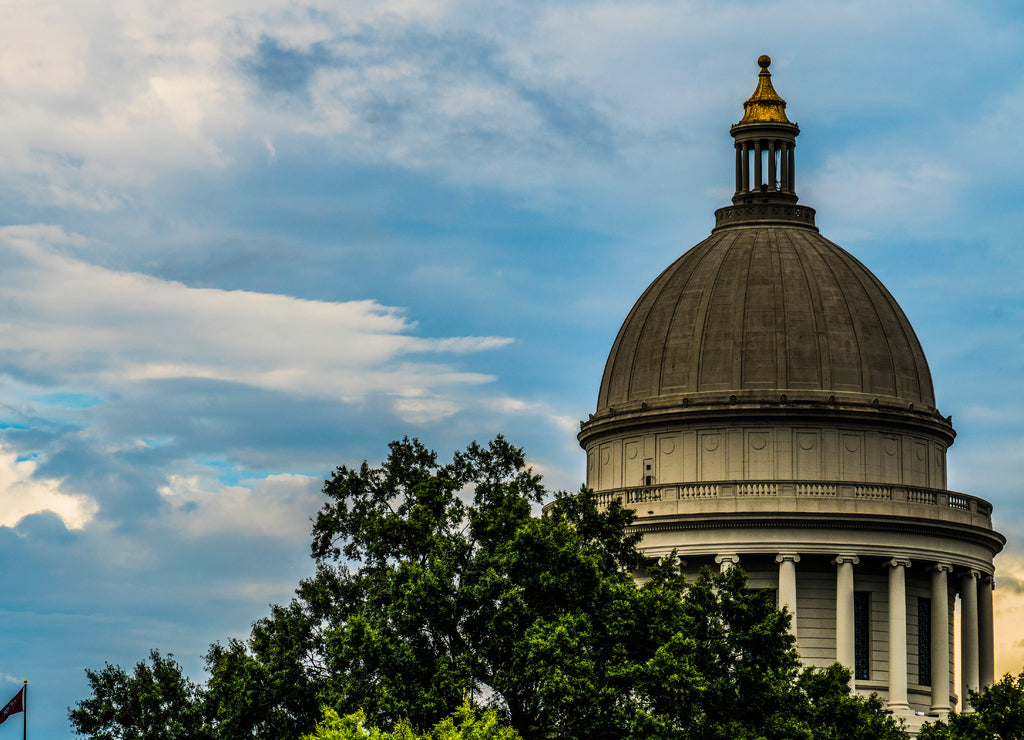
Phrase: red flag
(15, 705)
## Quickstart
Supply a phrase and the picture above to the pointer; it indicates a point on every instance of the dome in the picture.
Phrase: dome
(767, 404)
(762, 310)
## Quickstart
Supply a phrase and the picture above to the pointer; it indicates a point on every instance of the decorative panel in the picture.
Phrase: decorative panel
(758, 454)
(632, 463)
(938, 466)
(711, 451)
(611, 465)
(890, 459)
(669, 458)
(851, 456)
(919, 463)
(807, 455)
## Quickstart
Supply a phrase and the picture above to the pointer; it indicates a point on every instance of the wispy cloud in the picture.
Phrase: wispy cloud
(84, 325)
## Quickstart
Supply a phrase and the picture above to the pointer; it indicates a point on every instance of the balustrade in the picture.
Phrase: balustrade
(916, 500)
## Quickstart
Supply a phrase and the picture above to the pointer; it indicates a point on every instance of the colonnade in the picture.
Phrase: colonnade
(976, 635)
(776, 148)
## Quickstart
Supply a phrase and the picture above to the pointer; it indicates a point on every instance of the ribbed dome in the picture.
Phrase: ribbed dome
(764, 310)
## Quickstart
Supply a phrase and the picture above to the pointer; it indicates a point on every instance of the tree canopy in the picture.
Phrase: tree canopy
(437, 584)
(153, 702)
(463, 724)
(998, 712)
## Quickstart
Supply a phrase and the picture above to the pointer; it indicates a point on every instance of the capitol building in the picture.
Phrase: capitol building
(767, 404)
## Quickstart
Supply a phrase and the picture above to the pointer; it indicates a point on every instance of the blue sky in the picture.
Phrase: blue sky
(244, 242)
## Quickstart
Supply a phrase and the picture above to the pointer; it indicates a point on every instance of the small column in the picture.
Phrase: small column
(746, 165)
(739, 167)
(898, 634)
(787, 585)
(772, 148)
(968, 636)
(784, 166)
(940, 639)
(792, 169)
(986, 652)
(726, 561)
(757, 165)
(845, 646)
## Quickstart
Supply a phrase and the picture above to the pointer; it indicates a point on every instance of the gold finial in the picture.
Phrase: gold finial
(765, 105)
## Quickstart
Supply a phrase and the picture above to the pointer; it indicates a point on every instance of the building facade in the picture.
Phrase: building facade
(767, 403)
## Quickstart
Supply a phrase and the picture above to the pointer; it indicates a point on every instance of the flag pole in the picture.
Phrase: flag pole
(24, 711)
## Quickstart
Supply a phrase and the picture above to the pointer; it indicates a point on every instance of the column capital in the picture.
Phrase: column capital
(897, 562)
(971, 573)
(843, 559)
(990, 579)
(783, 556)
(942, 567)
(729, 558)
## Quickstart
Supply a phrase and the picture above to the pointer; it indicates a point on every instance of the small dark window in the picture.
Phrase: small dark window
(862, 635)
(924, 641)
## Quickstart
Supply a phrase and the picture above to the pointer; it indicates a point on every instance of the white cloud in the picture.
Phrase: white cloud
(885, 191)
(22, 494)
(425, 410)
(92, 325)
(278, 506)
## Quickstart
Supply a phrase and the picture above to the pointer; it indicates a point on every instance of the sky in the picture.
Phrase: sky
(244, 242)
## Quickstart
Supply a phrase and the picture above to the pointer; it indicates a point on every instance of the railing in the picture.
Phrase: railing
(815, 489)
(709, 496)
(764, 212)
(959, 501)
(698, 490)
(922, 496)
(878, 493)
(757, 489)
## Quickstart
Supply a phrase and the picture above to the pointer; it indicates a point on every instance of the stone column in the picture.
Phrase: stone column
(757, 165)
(845, 646)
(986, 653)
(792, 169)
(940, 638)
(784, 166)
(968, 636)
(739, 168)
(898, 634)
(726, 561)
(787, 585)
(772, 148)
(746, 165)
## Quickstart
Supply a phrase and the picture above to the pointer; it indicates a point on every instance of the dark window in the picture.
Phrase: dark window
(862, 635)
(924, 641)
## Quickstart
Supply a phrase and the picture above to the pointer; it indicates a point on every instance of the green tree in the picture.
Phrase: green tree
(463, 724)
(998, 713)
(269, 686)
(831, 712)
(154, 702)
(437, 582)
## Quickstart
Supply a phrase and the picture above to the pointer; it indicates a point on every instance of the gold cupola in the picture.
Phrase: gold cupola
(765, 105)
(765, 144)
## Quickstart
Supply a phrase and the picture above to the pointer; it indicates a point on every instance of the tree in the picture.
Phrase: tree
(998, 713)
(437, 583)
(833, 713)
(154, 702)
(463, 724)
